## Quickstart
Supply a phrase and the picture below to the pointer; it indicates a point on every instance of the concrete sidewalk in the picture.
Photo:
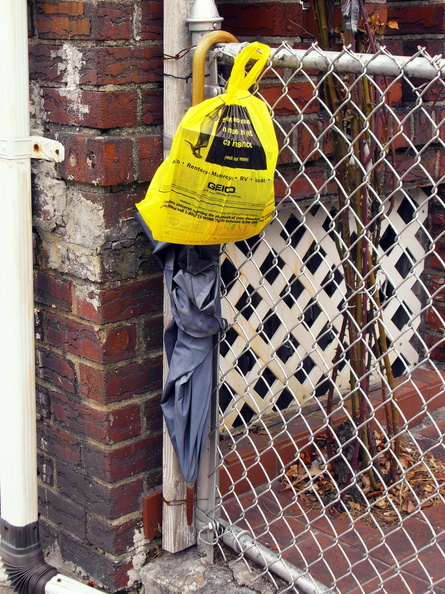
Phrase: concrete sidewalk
(4, 588)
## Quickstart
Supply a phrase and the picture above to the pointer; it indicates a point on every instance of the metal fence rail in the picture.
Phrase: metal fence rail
(342, 498)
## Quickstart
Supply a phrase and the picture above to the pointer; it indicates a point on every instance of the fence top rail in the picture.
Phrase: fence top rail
(381, 63)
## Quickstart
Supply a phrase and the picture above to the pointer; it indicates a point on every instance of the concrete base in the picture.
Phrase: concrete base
(186, 572)
(5, 588)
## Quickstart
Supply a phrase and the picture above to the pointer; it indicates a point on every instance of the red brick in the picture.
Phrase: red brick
(153, 414)
(62, 20)
(307, 135)
(423, 126)
(106, 571)
(399, 124)
(121, 65)
(120, 383)
(285, 155)
(152, 107)
(116, 206)
(434, 432)
(103, 160)
(394, 46)
(425, 19)
(111, 537)
(120, 206)
(79, 20)
(437, 223)
(412, 172)
(261, 18)
(150, 156)
(107, 501)
(73, 9)
(442, 123)
(47, 63)
(103, 345)
(124, 461)
(308, 23)
(153, 333)
(92, 109)
(437, 258)
(52, 291)
(393, 92)
(433, 47)
(112, 305)
(57, 370)
(63, 512)
(110, 20)
(45, 470)
(300, 94)
(436, 347)
(58, 443)
(151, 20)
(38, 324)
(441, 167)
(31, 27)
(101, 425)
(43, 401)
(301, 186)
(436, 286)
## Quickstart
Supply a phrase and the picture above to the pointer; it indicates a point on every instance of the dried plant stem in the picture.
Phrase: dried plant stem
(356, 114)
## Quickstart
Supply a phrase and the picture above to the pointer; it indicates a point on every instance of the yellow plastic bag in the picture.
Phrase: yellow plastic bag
(216, 186)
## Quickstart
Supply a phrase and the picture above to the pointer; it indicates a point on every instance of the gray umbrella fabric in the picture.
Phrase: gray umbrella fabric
(193, 282)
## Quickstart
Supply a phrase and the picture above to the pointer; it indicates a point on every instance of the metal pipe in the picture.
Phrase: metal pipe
(18, 467)
(242, 541)
(374, 64)
(199, 61)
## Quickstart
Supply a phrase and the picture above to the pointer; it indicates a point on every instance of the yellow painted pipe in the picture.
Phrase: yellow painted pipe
(199, 58)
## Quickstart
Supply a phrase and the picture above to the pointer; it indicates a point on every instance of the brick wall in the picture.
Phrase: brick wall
(96, 86)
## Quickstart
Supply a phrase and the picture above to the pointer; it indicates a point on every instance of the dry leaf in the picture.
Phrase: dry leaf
(409, 506)
(405, 461)
(393, 24)
(306, 457)
(292, 471)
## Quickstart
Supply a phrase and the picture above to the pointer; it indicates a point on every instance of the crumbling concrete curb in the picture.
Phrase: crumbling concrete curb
(5, 588)
(186, 572)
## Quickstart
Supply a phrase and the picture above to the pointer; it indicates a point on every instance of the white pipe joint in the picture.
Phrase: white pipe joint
(204, 17)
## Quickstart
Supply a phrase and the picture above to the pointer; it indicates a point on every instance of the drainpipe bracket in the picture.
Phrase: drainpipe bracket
(32, 147)
(204, 25)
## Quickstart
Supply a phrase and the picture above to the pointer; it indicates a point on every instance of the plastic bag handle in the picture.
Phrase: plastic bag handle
(239, 80)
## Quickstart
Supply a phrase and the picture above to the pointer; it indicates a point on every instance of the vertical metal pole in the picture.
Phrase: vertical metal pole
(208, 473)
(18, 468)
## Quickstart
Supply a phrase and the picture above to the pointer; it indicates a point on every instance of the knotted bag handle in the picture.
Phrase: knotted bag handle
(239, 80)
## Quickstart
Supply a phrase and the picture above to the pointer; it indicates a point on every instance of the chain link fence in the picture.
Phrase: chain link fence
(331, 390)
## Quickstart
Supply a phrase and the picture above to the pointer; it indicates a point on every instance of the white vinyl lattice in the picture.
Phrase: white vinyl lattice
(291, 494)
(283, 298)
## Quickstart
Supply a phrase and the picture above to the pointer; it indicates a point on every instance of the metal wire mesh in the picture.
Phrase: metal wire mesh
(350, 495)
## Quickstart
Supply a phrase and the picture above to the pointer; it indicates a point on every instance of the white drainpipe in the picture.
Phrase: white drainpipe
(20, 546)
